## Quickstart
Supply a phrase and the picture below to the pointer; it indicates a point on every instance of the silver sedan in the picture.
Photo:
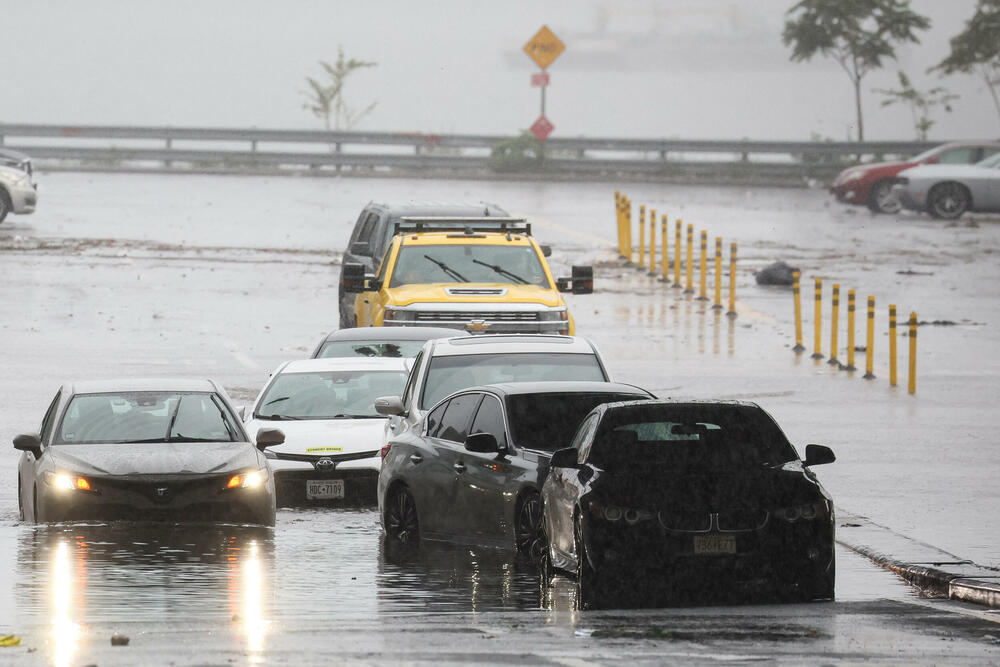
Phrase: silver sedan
(948, 191)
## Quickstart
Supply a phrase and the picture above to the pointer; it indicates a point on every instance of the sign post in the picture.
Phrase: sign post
(543, 48)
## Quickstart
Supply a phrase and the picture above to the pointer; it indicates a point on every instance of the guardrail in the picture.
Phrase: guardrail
(122, 148)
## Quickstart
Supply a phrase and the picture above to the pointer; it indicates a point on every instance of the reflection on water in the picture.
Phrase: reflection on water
(73, 576)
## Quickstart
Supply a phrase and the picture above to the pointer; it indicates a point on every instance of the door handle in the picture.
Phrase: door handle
(416, 458)
(459, 467)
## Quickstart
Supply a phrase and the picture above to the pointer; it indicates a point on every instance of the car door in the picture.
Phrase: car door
(488, 483)
(445, 440)
(991, 190)
(562, 490)
(369, 304)
(28, 465)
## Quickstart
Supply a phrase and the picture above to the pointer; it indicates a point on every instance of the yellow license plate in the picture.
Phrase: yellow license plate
(714, 544)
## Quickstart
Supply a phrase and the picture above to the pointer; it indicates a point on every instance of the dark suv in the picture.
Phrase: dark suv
(374, 229)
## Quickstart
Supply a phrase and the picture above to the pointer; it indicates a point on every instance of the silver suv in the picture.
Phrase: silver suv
(18, 190)
(447, 365)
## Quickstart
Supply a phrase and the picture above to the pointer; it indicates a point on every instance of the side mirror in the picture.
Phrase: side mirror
(546, 249)
(483, 443)
(581, 282)
(390, 406)
(29, 442)
(361, 248)
(269, 436)
(818, 455)
(565, 458)
(352, 278)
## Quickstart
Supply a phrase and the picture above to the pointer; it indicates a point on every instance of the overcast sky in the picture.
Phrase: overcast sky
(696, 69)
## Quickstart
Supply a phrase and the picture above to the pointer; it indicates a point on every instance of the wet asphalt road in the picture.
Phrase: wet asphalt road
(143, 275)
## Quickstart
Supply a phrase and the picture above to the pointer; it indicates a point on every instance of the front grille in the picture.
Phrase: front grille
(165, 490)
(740, 519)
(475, 291)
(689, 522)
(465, 316)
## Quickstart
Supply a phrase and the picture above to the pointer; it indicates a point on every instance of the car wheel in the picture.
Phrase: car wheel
(5, 205)
(881, 199)
(528, 526)
(20, 500)
(948, 201)
(34, 505)
(586, 577)
(544, 562)
(402, 528)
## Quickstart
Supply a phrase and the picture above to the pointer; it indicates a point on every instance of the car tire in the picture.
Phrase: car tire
(948, 200)
(20, 500)
(5, 205)
(544, 563)
(882, 200)
(586, 577)
(402, 527)
(528, 526)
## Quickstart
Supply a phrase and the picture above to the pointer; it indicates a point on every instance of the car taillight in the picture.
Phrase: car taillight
(385, 451)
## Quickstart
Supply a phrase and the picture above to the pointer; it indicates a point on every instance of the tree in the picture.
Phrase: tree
(858, 34)
(920, 103)
(326, 100)
(976, 50)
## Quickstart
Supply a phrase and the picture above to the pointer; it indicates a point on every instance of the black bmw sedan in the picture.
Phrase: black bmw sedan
(471, 470)
(687, 500)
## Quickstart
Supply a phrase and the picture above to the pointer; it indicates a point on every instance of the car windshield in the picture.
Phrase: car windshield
(147, 416)
(992, 162)
(328, 394)
(370, 348)
(508, 264)
(447, 375)
(680, 439)
(548, 421)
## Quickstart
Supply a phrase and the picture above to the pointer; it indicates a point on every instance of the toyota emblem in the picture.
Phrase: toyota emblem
(161, 491)
(325, 464)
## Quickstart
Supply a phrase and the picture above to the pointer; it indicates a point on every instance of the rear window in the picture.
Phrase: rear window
(690, 438)
(447, 375)
(547, 421)
(370, 348)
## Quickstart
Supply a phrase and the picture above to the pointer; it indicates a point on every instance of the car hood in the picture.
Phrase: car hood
(888, 168)
(790, 484)
(506, 293)
(324, 437)
(155, 458)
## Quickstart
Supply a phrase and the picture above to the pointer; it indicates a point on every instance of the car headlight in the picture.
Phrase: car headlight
(554, 315)
(615, 513)
(398, 315)
(252, 479)
(67, 482)
(805, 512)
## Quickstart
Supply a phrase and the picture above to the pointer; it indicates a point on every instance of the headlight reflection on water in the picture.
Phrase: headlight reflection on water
(65, 631)
(254, 625)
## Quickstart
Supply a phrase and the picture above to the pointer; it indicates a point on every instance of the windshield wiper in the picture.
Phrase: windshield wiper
(347, 416)
(278, 417)
(278, 400)
(447, 269)
(502, 271)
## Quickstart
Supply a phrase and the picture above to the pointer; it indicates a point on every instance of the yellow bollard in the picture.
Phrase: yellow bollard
(666, 255)
(642, 236)
(718, 274)
(732, 281)
(892, 345)
(850, 332)
(703, 261)
(652, 241)
(912, 384)
(618, 223)
(677, 254)
(797, 298)
(628, 231)
(623, 236)
(834, 319)
(818, 321)
(870, 342)
(689, 272)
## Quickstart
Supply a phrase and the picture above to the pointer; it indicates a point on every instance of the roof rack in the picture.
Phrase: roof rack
(430, 223)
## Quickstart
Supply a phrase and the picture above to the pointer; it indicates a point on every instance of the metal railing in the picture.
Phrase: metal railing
(122, 148)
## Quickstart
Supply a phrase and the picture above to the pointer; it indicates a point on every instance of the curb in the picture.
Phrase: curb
(931, 569)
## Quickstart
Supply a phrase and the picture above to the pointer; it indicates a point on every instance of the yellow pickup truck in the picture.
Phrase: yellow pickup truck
(483, 275)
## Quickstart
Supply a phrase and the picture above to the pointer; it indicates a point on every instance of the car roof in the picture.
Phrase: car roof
(506, 343)
(394, 333)
(451, 209)
(346, 364)
(479, 237)
(143, 384)
(560, 387)
(677, 403)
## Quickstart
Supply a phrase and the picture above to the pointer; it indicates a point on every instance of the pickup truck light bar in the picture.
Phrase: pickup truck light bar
(417, 224)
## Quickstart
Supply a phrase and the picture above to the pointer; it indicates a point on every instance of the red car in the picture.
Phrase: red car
(871, 184)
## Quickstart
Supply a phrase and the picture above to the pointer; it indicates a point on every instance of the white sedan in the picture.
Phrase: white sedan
(949, 190)
(333, 436)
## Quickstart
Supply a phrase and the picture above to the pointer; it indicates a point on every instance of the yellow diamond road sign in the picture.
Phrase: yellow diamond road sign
(544, 47)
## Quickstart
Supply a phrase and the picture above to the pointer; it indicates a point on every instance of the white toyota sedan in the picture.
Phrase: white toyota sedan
(333, 435)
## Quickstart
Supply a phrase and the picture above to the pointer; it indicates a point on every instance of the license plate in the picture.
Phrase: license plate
(324, 489)
(714, 544)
